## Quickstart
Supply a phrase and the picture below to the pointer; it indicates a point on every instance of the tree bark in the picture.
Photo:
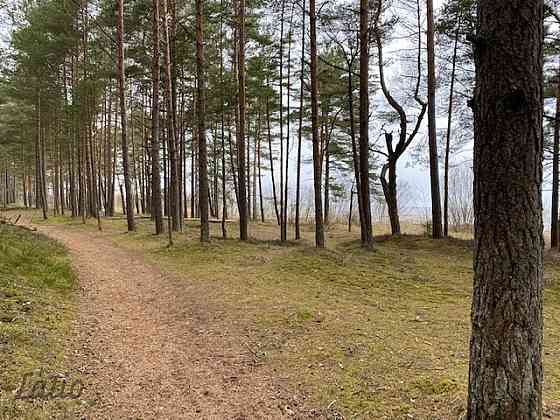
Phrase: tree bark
(554, 231)
(448, 135)
(222, 129)
(202, 152)
(319, 228)
(300, 128)
(173, 194)
(432, 129)
(394, 152)
(391, 195)
(506, 372)
(121, 81)
(364, 125)
(281, 110)
(242, 202)
(157, 211)
(271, 156)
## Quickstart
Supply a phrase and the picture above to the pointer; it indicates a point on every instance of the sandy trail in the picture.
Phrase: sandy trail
(149, 347)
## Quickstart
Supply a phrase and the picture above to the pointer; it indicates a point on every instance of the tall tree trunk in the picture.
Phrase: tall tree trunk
(281, 110)
(351, 209)
(242, 202)
(448, 137)
(506, 371)
(255, 151)
(232, 152)
(284, 234)
(41, 177)
(355, 156)
(94, 190)
(121, 87)
(319, 228)
(173, 199)
(271, 155)
(134, 164)
(261, 200)
(327, 188)
(300, 128)
(202, 151)
(114, 167)
(432, 129)
(24, 178)
(222, 129)
(193, 165)
(61, 179)
(554, 231)
(364, 125)
(157, 211)
(248, 174)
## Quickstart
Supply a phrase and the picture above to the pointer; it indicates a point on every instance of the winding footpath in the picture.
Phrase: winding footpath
(148, 347)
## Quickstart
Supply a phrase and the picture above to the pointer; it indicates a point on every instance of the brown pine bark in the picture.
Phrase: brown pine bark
(271, 156)
(222, 129)
(284, 233)
(202, 150)
(554, 231)
(432, 129)
(319, 228)
(367, 240)
(281, 109)
(300, 127)
(157, 211)
(121, 87)
(173, 194)
(40, 164)
(448, 135)
(242, 202)
(506, 372)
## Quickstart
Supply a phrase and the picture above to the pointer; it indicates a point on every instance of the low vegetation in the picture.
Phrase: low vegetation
(36, 308)
(380, 334)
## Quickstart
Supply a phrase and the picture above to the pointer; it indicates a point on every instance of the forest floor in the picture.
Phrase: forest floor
(37, 307)
(270, 330)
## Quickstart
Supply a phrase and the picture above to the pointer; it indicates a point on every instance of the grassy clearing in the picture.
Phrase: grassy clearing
(380, 334)
(36, 283)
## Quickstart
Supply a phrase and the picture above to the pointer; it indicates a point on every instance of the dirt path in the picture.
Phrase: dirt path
(149, 347)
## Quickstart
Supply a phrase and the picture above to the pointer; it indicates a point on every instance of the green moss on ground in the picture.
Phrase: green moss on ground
(36, 284)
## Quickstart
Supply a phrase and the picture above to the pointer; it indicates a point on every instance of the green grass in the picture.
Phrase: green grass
(380, 334)
(36, 284)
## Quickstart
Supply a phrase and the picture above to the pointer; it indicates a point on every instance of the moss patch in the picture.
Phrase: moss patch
(36, 284)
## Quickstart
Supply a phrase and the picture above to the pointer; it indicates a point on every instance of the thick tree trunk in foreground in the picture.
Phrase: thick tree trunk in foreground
(202, 152)
(319, 228)
(156, 76)
(120, 78)
(506, 373)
